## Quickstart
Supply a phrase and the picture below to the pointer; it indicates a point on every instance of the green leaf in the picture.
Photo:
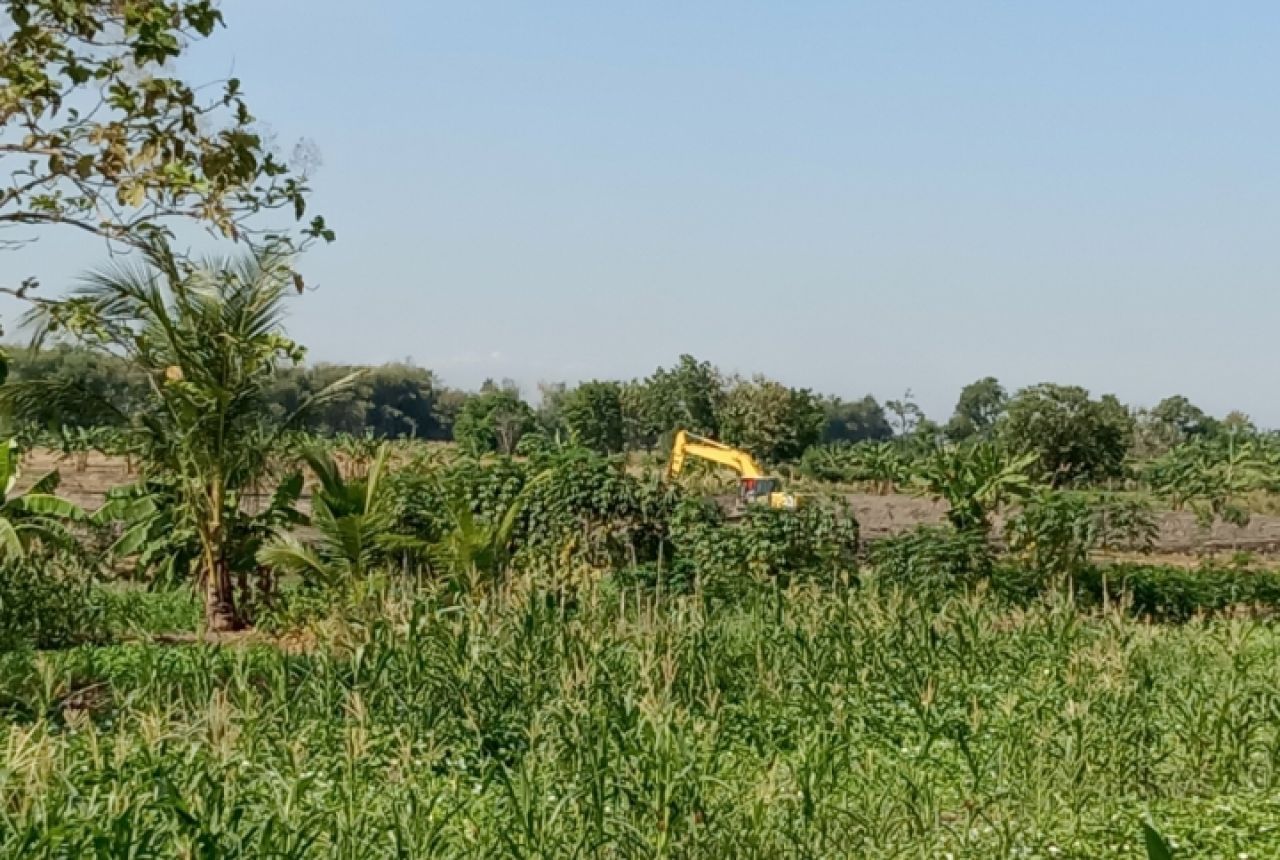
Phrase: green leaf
(44, 505)
(1157, 847)
(10, 544)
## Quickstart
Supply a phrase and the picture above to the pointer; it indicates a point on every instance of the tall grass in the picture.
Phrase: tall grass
(620, 723)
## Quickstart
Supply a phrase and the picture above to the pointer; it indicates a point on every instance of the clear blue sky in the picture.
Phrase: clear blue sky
(855, 197)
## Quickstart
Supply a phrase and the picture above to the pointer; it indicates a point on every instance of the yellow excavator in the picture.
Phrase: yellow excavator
(754, 487)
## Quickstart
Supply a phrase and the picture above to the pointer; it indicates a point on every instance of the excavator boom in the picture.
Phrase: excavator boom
(689, 445)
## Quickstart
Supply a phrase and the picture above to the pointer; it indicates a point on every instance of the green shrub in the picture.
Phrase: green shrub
(1172, 593)
(1053, 532)
(932, 560)
(43, 605)
(811, 543)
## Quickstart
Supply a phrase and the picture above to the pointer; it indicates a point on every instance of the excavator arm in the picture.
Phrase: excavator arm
(688, 445)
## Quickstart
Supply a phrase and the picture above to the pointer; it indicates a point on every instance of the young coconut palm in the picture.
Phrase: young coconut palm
(209, 339)
(356, 522)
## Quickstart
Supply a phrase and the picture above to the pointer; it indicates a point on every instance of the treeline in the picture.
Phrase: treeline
(1076, 436)
(401, 400)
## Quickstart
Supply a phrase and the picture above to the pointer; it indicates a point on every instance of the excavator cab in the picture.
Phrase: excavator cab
(765, 491)
(757, 489)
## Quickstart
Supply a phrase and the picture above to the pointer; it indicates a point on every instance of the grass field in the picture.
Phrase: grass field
(620, 723)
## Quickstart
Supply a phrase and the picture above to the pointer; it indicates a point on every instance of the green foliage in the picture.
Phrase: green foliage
(980, 405)
(770, 420)
(1072, 437)
(388, 401)
(687, 395)
(1211, 475)
(592, 415)
(355, 520)
(765, 546)
(1053, 533)
(101, 136)
(883, 465)
(1125, 524)
(93, 391)
(493, 420)
(528, 723)
(1171, 422)
(589, 509)
(36, 519)
(46, 603)
(1157, 847)
(210, 340)
(151, 532)
(855, 421)
(931, 561)
(1172, 593)
(974, 480)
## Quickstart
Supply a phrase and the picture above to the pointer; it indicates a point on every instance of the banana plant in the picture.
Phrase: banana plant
(1213, 477)
(36, 517)
(164, 549)
(974, 480)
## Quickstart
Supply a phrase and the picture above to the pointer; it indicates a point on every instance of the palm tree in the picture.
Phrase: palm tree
(355, 520)
(208, 338)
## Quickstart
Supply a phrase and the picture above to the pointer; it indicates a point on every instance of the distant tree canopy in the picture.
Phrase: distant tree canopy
(1075, 437)
(387, 401)
(105, 390)
(494, 420)
(769, 419)
(981, 403)
(592, 415)
(855, 421)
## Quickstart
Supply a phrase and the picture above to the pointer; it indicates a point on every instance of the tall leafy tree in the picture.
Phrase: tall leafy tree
(1171, 422)
(494, 420)
(855, 421)
(980, 404)
(592, 413)
(208, 338)
(769, 419)
(98, 134)
(1073, 436)
(687, 395)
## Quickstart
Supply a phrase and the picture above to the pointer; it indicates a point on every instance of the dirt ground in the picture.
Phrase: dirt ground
(878, 516)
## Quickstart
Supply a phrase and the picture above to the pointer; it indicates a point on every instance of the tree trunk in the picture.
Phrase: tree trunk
(220, 614)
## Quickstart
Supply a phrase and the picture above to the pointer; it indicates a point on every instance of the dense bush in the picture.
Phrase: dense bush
(493, 420)
(1073, 437)
(811, 543)
(1176, 593)
(44, 605)
(932, 560)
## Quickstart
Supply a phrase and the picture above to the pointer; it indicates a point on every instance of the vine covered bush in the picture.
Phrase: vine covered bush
(1171, 593)
(811, 543)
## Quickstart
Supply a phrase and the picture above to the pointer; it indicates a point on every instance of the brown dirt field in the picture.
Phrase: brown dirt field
(879, 516)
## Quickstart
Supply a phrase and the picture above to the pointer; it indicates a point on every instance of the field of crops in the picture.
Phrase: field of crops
(619, 722)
